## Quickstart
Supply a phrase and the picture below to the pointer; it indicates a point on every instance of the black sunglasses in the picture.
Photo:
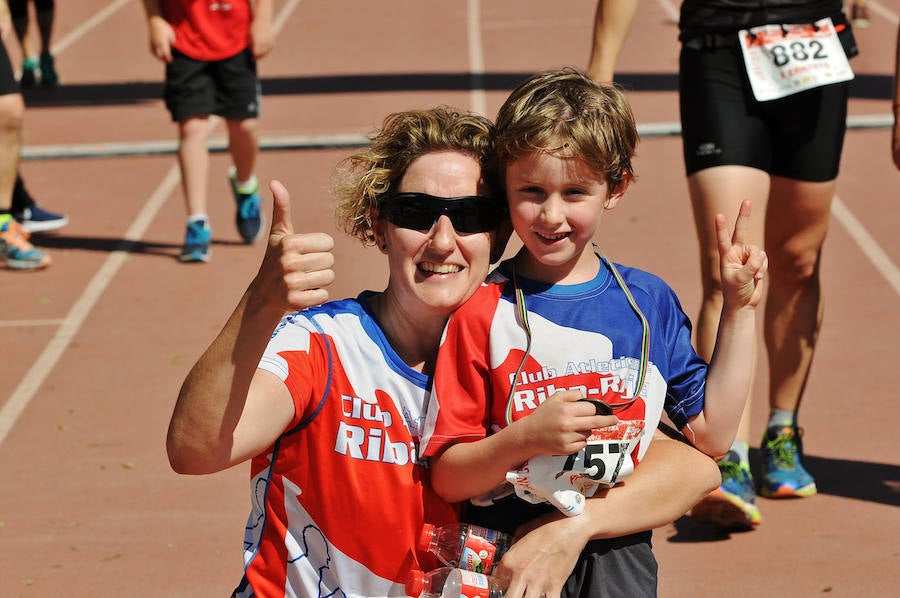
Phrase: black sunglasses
(419, 211)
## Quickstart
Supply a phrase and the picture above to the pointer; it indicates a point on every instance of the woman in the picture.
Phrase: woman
(763, 90)
(328, 401)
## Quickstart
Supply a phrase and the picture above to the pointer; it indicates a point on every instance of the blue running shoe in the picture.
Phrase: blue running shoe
(248, 219)
(731, 506)
(783, 472)
(196, 242)
(35, 219)
(18, 253)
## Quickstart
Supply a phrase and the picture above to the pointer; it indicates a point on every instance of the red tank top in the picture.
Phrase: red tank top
(209, 29)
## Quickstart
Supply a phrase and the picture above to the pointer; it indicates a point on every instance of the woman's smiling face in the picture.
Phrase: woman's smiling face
(440, 268)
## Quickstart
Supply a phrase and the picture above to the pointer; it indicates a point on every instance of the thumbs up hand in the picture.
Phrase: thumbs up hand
(296, 268)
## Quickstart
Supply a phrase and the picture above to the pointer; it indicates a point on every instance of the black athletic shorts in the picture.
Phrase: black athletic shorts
(8, 83)
(18, 9)
(618, 568)
(228, 88)
(622, 567)
(797, 137)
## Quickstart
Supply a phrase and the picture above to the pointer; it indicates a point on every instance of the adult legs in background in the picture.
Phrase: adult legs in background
(796, 226)
(715, 190)
(16, 251)
(35, 60)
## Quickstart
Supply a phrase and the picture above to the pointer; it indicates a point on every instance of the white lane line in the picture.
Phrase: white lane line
(30, 323)
(879, 8)
(51, 354)
(83, 29)
(671, 9)
(282, 17)
(335, 141)
(867, 243)
(477, 95)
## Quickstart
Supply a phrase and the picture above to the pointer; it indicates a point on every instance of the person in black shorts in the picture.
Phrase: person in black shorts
(19, 214)
(746, 137)
(210, 51)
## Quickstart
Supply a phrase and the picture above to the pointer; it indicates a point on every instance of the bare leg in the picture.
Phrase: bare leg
(20, 26)
(193, 157)
(612, 22)
(12, 112)
(721, 190)
(713, 191)
(16, 252)
(45, 20)
(243, 146)
(795, 233)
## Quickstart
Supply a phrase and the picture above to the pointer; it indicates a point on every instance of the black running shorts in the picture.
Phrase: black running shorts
(797, 137)
(8, 83)
(228, 88)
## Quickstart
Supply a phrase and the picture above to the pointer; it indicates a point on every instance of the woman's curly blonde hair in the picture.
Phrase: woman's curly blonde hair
(365, 178)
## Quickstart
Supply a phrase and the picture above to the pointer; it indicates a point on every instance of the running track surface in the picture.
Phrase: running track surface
(95, 348)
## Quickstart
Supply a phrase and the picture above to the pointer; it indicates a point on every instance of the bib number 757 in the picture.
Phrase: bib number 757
(598, 459)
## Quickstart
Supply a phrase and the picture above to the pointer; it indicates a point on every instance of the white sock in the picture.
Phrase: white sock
(782, 418)
(743, 451)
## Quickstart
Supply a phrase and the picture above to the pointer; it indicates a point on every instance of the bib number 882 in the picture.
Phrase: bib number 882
(799, 51)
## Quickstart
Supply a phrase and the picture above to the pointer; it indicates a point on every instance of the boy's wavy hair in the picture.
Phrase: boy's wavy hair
(566, 113)
(365, 178)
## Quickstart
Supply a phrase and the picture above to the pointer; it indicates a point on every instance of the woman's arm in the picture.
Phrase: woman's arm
(670, 479)
(227, 410)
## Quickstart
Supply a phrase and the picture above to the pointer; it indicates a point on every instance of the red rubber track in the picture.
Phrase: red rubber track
(95, 348)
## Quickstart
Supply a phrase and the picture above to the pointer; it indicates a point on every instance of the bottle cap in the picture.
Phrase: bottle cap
(426, 536)
(415, 583)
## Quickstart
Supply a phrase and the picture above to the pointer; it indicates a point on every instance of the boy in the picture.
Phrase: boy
(210, 50)
(559, 315)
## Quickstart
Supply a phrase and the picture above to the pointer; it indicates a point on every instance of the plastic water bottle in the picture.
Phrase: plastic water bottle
(452, 582)
(466, 546)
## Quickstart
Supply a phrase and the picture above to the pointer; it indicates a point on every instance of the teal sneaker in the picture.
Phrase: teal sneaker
(783, 472)
(49, 78)
(28, 78)
(731, 506)
(248, 219)
(196, 242)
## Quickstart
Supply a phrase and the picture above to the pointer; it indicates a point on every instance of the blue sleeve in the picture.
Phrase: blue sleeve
(674, 354)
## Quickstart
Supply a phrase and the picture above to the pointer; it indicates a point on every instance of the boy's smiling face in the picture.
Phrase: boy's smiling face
(555, 205)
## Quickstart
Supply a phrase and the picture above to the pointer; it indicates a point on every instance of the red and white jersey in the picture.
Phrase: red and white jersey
(585, 337)
(209, 29)
(339, 501)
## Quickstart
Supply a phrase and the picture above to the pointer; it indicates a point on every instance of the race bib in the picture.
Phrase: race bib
(785, 59)
(566, 480)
